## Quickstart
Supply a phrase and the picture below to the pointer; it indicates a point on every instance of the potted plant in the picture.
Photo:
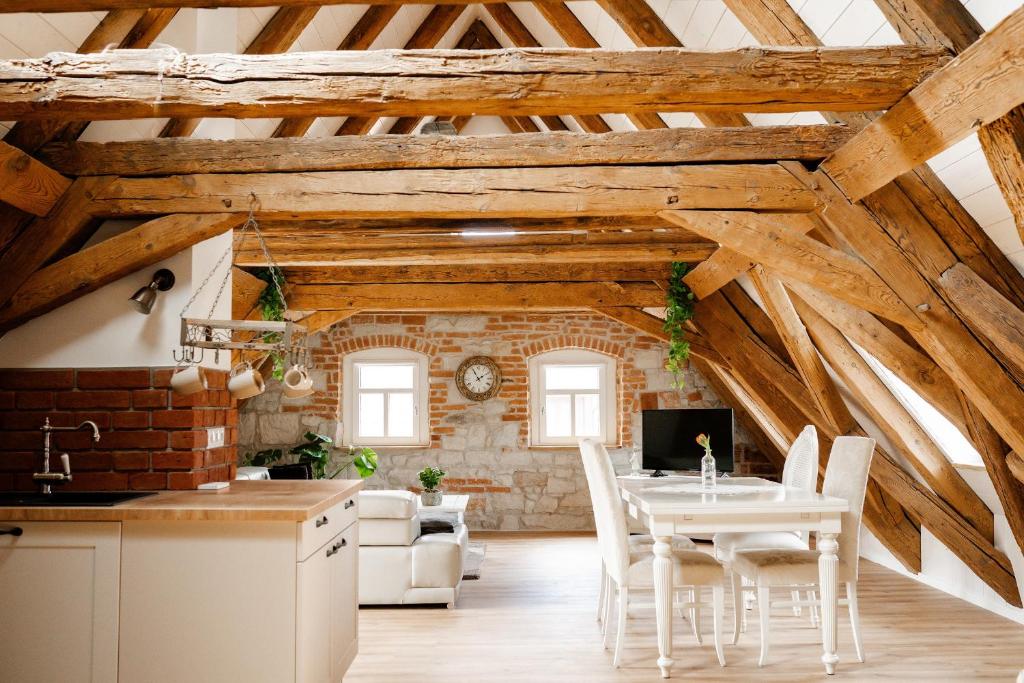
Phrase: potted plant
(316, 451)
(430, 477)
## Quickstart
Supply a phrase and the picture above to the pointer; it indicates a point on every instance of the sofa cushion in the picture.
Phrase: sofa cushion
(437, 559)
(388, 531)
(387, 504)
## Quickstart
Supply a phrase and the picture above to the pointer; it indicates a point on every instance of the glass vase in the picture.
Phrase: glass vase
(707, 470)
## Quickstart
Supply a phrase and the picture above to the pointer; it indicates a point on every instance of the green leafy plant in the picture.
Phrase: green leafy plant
(316, 450)
(272, 307)
(430, 477)
(678, 310)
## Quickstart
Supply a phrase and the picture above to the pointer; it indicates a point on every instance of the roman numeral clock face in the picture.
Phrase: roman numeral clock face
(478, 378)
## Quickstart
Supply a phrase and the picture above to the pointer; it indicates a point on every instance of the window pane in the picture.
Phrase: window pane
(558, 415)
(401, 416)
(371, 414)
(572, 376)
(386, 376)
(588, 415)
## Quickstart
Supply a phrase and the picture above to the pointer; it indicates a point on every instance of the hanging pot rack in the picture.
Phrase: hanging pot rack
(284, 338)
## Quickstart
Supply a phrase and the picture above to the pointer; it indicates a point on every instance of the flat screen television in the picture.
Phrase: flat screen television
(670, 438)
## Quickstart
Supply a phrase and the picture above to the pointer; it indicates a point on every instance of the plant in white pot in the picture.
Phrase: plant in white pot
(430, 477)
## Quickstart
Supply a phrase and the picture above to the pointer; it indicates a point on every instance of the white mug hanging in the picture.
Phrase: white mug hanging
(297, 382)
(190, 379)
(245, 382)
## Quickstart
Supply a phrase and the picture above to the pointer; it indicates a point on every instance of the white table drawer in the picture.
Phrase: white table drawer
(315, 532)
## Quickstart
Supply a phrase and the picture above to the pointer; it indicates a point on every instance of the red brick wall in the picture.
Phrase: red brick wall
(150, 437)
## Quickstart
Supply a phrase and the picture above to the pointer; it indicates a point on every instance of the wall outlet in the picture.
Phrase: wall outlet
(214, 437)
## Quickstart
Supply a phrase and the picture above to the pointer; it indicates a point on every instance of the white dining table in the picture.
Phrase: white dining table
(679, 505)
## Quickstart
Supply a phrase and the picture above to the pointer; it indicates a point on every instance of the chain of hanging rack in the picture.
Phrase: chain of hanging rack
(283, 338)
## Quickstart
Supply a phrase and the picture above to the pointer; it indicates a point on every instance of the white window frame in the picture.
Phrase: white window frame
(420, 393)
(608, 395)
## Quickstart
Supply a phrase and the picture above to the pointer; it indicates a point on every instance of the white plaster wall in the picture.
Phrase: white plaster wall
(101, 329)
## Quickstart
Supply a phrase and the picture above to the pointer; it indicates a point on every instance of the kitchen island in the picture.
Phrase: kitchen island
(256, 582)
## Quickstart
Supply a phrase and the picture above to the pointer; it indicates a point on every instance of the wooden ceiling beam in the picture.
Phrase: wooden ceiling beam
(69, 218)
(666, 146)
(520, 36)
(782, 313)
(7, 6)
(908, 363)
(137, 84)
(476, 297)
(28, 184)
(366, 30)
(642, 24)
(526, 272)
(893, 418)
(463, 193)
(277, 35)
(315, 251)
(427, 35)
(109, 260)
(654, 326)
(944, 336)
(770, 240)
(978, 87)
(124, 28)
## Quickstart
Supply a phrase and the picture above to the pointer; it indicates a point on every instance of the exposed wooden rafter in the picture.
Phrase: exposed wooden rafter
(109, 260)
(427, 35)
(28, 184)
(665, 146)
(456, 82)
(277, 35)
(978, 87)
(523, 272)
(559, 296)
(360, 37)
(464, 193)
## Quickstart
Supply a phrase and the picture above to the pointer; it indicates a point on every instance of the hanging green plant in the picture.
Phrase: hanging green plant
(272, 307)
(678, 310)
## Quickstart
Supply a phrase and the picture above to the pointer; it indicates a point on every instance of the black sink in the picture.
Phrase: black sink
(69, 498)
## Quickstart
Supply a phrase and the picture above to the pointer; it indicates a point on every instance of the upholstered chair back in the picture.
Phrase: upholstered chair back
(609, 517)
(801, 468)
(846, 476)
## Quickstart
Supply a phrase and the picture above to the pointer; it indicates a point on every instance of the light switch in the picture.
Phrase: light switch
(214, 437)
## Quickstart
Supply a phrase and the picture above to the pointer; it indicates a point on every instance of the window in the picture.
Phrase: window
(572, 395)
(385, 401)
(947, 437)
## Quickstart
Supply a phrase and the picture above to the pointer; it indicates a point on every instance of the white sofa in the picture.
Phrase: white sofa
(398, 566)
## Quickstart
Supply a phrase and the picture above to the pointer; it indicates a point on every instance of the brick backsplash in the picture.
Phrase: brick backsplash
(150, 437)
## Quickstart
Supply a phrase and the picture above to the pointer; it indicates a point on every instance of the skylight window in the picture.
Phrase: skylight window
(950, 441)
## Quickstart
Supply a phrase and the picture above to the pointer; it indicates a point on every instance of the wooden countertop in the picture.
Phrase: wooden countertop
(255, 501)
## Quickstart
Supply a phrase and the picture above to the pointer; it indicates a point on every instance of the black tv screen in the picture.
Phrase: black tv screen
(670, 438)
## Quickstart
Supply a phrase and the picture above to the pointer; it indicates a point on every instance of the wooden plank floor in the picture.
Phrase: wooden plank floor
(530, 619)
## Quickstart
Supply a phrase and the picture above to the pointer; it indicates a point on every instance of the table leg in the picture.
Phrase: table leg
(663, 592)
(827, 563)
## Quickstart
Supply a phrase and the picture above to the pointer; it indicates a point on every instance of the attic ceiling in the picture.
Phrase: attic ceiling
(797, 261)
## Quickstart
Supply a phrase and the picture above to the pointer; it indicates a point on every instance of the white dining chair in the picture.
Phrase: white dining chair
(799, 471)
(631, 569)
(846, 476)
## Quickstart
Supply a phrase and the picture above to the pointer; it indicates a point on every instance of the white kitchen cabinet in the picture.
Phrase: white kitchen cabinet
(213, 601)
(326, 637)
(59, 601)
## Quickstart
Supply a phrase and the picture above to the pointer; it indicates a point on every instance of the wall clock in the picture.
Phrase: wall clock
(478, 378)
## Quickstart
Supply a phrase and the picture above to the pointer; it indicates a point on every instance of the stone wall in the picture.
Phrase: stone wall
(484, 447)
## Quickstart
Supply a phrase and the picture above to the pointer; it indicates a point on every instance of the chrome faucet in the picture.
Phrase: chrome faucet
(46, 476)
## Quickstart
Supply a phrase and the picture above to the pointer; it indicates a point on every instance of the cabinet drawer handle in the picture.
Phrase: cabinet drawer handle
(343, 543)
(333, 550)
(13, 531)
(349, 503)
(320, 522)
